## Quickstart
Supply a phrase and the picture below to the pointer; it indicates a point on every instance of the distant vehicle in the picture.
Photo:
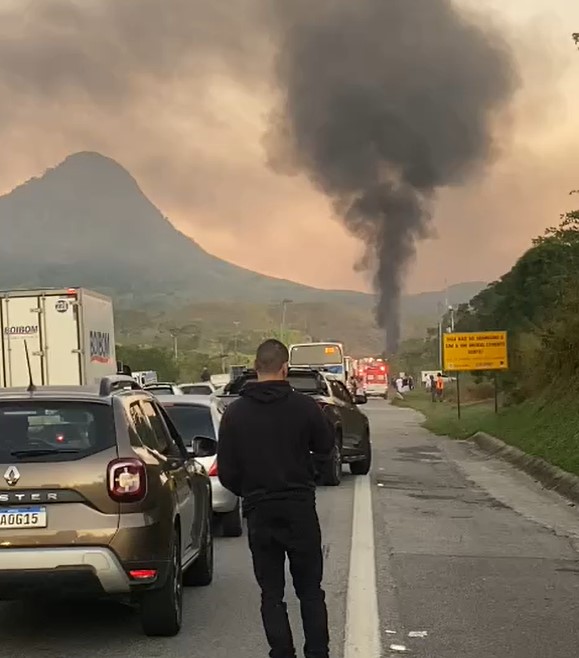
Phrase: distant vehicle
(145, 377)
(163, 388)
(220, 380)
(326, 357)
(198, 388)
(425, 377)
(375, 375)
(69, 333)
(351, 426)
(235, 371)
(103, 499)
(197, 416)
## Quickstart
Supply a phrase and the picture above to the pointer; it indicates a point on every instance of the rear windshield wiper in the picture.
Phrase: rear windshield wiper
(41, 452)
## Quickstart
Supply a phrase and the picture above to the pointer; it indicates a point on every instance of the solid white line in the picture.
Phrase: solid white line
(362, 620)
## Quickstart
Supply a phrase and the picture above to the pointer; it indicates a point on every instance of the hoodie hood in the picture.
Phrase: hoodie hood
(266, 392)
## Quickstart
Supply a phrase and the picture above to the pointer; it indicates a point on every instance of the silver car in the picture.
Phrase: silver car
(163, 388)
(198, 416)
(198, 388)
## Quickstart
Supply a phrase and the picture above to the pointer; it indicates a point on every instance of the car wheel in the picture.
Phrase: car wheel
(162, 608)
(362, 467)
(232, 522)
(334, 468)
(200, 573)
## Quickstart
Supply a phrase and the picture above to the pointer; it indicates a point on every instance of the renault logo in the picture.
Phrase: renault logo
(12, 475)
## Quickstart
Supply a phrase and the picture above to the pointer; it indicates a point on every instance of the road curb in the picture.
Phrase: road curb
(551, 477)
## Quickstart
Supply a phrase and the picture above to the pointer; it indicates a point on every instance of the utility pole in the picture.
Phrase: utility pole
(284, 304)
(175, 345)
(236, 338)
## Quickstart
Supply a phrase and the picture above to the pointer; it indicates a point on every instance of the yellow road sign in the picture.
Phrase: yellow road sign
(485, 350)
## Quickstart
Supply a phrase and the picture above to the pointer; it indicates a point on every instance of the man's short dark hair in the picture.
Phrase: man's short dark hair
(271, 356)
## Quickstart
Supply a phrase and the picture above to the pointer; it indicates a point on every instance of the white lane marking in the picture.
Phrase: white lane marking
(362, 620)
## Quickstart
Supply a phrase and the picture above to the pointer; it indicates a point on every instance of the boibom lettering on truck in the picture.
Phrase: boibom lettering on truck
(69, 333)
(100, 347)
(21, 330)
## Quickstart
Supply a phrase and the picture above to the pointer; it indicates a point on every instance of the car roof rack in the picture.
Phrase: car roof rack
(114, 383)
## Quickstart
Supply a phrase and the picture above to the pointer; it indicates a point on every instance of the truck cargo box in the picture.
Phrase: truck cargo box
(69, 333)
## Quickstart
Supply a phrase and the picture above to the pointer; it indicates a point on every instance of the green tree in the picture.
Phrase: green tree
(149, 358)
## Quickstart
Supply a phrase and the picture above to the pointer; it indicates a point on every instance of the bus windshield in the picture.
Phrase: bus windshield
(320, 354)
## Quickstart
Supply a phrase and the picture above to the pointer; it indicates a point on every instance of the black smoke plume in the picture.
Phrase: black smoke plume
(384, 102)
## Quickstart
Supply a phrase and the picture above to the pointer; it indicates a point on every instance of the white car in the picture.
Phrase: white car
(198, 388)
(163, 388)
(199, 416)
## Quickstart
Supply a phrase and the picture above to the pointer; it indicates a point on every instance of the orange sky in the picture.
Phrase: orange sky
(202, 163)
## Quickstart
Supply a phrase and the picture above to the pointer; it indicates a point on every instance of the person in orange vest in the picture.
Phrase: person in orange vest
(440, 387)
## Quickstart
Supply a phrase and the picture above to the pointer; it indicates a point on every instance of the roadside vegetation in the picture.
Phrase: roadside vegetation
(537, 302)
(544, 426)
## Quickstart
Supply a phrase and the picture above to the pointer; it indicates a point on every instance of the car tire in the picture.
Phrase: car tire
(232, 522)
(162, 608)
(200, 573)
(363, 466)
(333, 468)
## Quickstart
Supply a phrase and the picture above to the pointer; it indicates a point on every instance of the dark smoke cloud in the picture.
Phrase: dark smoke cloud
(383, 102)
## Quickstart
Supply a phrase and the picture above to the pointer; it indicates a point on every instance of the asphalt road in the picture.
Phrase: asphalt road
(470, 557)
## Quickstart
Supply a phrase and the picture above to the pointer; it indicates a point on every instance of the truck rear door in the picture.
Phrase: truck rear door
(21, 326)
(62, 341)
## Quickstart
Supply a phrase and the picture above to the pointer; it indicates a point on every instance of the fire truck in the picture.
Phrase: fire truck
(375, 375)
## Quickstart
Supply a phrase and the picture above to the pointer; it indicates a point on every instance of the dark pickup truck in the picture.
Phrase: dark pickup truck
(351, 426)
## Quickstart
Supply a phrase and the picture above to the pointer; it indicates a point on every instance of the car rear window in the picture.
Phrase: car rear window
(160, 390)
(197, 389)
(234, 388)
(54, 431)
(306, 383)
(191, 420)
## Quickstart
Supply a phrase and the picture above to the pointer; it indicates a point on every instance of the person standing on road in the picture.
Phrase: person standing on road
(205, 374)
(432, 386)
(440, 387)
(266, 441)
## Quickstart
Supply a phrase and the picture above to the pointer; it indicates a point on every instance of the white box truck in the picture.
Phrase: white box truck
(69, 334)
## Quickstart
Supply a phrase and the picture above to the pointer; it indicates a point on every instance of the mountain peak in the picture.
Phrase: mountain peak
(86, 221)
(93, 169)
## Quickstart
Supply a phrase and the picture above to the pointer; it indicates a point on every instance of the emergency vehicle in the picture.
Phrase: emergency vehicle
(375, 374)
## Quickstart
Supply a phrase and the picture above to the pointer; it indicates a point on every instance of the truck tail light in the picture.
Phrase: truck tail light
(127, 480)
(213, 472)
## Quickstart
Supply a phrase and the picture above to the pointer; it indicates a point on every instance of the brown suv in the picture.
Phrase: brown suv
(99, 497)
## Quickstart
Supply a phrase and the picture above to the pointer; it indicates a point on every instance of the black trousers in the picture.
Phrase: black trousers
(280, 528)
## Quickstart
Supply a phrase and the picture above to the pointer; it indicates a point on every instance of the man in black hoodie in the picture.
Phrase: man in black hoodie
(266, 442)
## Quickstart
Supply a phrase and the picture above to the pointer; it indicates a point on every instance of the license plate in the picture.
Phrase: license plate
(22, 517)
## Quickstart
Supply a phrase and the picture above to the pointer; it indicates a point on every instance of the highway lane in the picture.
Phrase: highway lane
(220, 621)
(470, 555)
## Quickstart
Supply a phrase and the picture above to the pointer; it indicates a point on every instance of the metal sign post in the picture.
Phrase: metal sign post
(458, 394)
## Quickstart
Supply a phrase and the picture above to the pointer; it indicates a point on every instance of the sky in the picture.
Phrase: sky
(191, 128)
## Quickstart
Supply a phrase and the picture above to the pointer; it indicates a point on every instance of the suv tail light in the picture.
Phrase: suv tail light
(213, 470)
(127, 480)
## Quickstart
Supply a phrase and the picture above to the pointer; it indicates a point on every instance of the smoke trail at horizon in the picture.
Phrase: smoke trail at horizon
(383, 103)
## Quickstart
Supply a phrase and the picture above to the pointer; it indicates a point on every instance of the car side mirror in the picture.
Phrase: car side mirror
(202, 446)
(361, 399)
